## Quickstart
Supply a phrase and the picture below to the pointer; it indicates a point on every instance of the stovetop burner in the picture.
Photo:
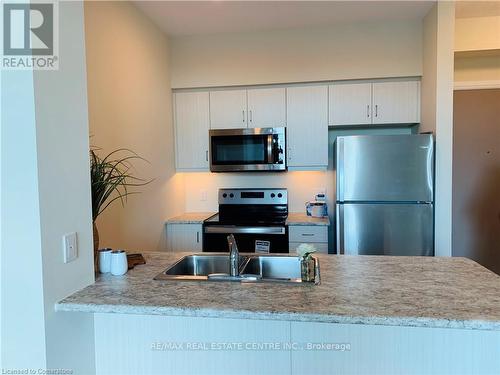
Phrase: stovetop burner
(251, 207)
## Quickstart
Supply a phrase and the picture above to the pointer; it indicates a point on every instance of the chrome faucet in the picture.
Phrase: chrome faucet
(234, 256)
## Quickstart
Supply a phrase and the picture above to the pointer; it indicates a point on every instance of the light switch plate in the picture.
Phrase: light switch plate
(70, 247)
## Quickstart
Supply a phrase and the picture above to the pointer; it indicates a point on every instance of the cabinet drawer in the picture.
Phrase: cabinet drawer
(308, 233)
(321, 247)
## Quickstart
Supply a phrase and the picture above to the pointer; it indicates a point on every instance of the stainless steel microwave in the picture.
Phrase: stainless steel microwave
(252, 149)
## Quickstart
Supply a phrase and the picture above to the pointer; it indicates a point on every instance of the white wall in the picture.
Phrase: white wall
(477, 33)
(429, 64)
(360, 50)
(22, 318)
(437, 111)
(46, 194)
(130, 106)
(477, 42)
(64, 191)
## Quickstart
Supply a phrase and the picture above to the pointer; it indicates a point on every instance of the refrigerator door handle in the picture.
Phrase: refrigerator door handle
(340, 169)
(340, 229)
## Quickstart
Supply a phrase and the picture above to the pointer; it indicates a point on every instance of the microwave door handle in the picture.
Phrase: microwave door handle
(270, 156)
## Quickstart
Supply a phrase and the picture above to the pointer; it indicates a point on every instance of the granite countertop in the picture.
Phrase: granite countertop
(299, 218)
(399, 291)
(190, 218)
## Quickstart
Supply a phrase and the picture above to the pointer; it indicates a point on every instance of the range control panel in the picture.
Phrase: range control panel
(253, 196)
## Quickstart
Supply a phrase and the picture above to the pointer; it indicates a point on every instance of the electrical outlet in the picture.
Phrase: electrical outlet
(203, 195)
(70, 247)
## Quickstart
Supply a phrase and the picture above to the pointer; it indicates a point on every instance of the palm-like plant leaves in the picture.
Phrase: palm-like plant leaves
(111, 178)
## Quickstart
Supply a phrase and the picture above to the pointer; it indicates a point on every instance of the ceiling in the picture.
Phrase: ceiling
(180, 18)
(465, 9)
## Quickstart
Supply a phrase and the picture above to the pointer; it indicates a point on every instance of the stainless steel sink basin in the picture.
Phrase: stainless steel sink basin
(198, 267)
(253, 268)
(284, 268)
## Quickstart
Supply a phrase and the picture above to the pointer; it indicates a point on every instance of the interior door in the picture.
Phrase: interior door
(307, 126)
(228, 109)
(396, 102)
(350, 104)
(385, 229)
(266, 107)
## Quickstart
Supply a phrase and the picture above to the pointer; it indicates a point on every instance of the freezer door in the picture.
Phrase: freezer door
(385, 168)
(385, 229)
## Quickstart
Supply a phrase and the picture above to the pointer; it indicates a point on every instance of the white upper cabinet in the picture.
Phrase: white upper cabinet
(307, 126)
(192, 116)
(396, 102)
(228, 109)
(266, 107)
(350, 103)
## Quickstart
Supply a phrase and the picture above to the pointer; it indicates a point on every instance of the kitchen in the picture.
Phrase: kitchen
(157, 84)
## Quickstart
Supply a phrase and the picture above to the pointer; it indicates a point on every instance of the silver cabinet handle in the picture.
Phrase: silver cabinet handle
(368, 111)
(250, 116)
(376, 110)
(243, 114)
(197, 237)
(308, 234)
(206, 155)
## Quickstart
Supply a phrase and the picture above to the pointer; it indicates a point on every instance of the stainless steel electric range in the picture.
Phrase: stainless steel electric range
(256, 217)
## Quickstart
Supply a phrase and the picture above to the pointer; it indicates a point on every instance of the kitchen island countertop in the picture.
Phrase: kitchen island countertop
(400, 291)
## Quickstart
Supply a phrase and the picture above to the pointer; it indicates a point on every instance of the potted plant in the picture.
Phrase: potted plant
(111, 180)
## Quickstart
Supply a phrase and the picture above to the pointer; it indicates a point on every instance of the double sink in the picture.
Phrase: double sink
(252, 268)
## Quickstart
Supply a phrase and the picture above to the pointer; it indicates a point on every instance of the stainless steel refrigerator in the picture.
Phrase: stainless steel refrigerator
(385, 195)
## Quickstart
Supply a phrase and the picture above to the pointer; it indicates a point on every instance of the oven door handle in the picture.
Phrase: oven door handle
(245, 230)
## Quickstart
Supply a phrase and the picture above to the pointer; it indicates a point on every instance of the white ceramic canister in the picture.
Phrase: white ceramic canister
(119, 265)
(105, 260)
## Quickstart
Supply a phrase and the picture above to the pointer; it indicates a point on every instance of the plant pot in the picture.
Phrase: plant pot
(96, 247)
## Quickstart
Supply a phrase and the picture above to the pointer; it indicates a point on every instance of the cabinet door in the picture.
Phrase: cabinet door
(350, 103)
(266, 108)
(307, 126)
(192, 122)
(321, 247)
(396, 102)
(228, 109)
(184, 237)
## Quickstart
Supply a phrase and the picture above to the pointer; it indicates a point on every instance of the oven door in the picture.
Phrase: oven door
(240, 150)
(248, 238)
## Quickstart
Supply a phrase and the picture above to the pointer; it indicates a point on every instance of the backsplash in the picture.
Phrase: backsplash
(201, 188)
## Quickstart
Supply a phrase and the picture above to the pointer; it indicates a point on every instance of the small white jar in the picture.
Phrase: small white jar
(105, 260)
(119, 265)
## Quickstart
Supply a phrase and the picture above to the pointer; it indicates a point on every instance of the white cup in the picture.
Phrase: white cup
(119, 265)
(105, 260)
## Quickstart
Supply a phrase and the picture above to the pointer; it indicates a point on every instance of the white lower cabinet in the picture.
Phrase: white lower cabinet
(315, 235)
(377, 349)
(146, 345)
(184, 237)
(132, 344)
